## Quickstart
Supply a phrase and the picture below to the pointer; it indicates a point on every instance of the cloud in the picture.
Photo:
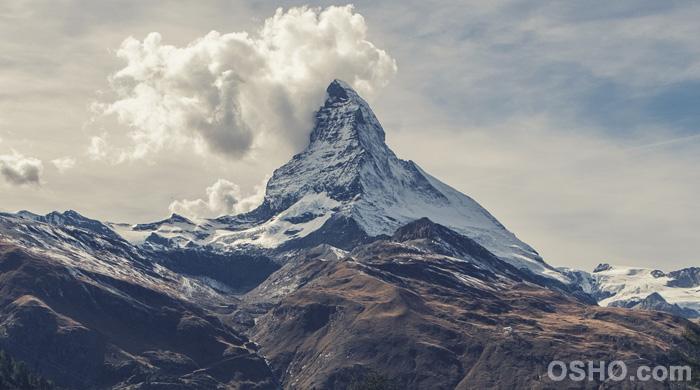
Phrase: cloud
(227, 93)
(63, 164)
(223, 198)
(19, 170)
(97, 150)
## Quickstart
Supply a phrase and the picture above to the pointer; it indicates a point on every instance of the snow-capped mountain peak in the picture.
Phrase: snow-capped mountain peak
(70, 218)
(346, 143)
(345, 188)
(349, 160)
(332, 117)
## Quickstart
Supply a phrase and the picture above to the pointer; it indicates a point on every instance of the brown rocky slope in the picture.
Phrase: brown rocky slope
(425, 314)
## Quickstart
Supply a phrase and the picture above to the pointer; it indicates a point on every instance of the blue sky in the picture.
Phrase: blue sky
(575, 123)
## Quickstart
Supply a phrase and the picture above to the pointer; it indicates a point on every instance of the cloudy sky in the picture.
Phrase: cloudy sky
(575, 123)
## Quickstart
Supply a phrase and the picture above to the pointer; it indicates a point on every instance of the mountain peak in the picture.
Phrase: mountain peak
(348, 170)
(339, 89)
(349, 183)
(346, 145)
(73, 214)
(420, 228)
(66, 215)
(346, 117)
(179, 218)
(602, 267)
(172, 220)
(74, 219)
(28, 214)
(655, 297)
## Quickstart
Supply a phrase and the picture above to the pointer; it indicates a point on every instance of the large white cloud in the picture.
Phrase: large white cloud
(18, 169)
(223, 198)
(229, 92)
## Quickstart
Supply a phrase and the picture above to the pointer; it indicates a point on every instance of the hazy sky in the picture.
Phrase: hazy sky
(577, 124)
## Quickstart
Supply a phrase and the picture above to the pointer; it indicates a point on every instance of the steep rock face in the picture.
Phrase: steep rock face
(347, 139)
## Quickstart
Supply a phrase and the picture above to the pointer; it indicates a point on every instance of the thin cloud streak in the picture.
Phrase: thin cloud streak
(666, 143)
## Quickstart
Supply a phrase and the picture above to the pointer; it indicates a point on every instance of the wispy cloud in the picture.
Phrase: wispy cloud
(666, 143)
(63, 164)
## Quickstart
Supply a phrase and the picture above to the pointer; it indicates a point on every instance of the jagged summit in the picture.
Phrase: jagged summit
(345, 109)
(71, 218)
(172, 220)
(346, 155)
(339, 89)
